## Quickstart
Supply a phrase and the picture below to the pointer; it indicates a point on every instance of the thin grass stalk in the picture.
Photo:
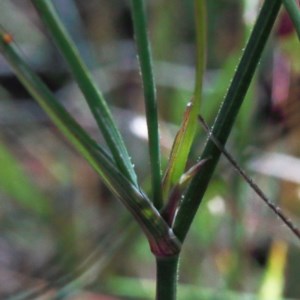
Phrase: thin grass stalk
(293, 10)
(167, 268)
(276, 209)
(227, 115)
(93, 95)
(145, 60)
(166, 278)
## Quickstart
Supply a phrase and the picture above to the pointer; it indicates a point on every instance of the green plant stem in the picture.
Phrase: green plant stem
(161, 238)
(144, 53)
(92, 94)
(294, 12)
(227, 115)
(166, 278)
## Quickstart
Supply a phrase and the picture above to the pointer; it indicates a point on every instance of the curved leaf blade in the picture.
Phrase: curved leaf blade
(185, 136)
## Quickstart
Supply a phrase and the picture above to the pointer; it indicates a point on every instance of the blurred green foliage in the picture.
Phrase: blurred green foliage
(221, 251)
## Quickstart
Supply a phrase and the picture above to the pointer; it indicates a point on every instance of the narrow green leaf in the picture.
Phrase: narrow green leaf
(227, 115)
(145, 60)
(15, 183)
(93, 96)
(186, 177)
(185, 136)
(293, 10)
(160, 236)
(179, 152)
(169, 210)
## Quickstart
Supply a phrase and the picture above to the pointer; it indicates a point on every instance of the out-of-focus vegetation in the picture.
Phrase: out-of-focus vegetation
(62, 233)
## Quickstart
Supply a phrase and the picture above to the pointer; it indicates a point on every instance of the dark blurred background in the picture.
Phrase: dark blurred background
(89, 248)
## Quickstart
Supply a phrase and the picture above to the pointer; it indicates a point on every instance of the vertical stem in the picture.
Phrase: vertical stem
(145, 59)
(166, 277)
